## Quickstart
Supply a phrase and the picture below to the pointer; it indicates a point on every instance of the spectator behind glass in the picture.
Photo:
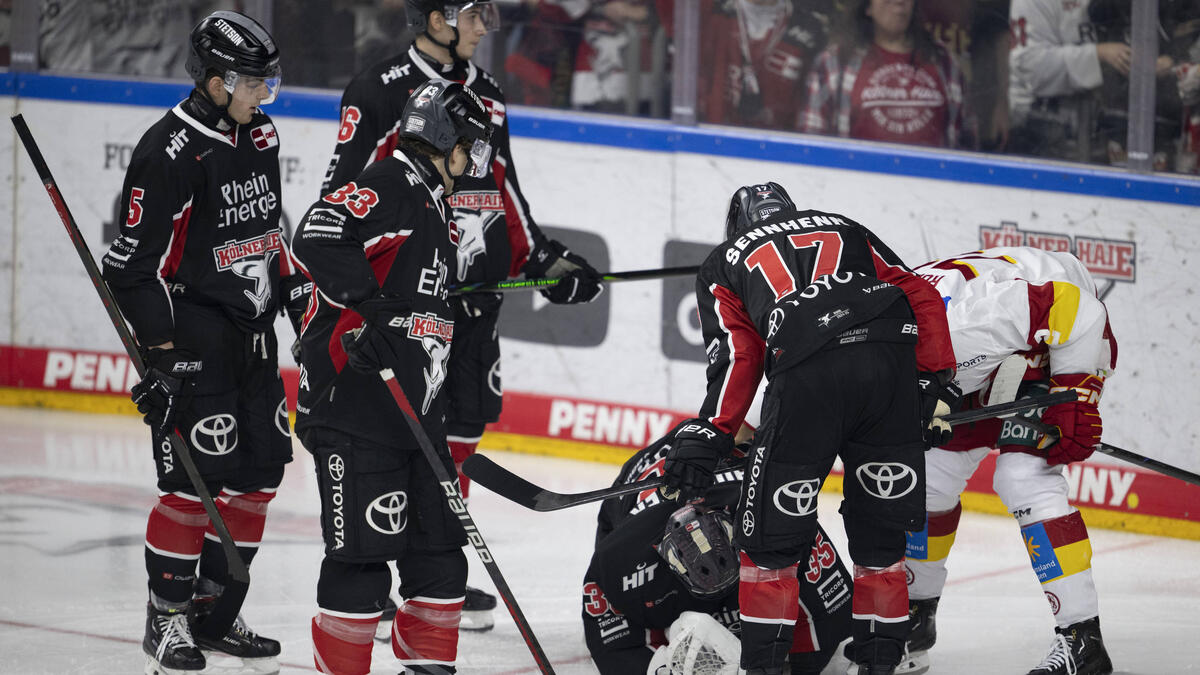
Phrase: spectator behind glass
(1054, 79)
(1187, 74)
(600, 81)
(976, 33)
(754, 55)
(539, 68)
(885, 79)
(147, 38)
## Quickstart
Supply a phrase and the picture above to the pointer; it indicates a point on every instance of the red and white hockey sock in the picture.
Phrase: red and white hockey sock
(342, 642)
(881, 601)
(174, 538)
(460, 449)
(245, 515)
(769, 608)
(426, 631)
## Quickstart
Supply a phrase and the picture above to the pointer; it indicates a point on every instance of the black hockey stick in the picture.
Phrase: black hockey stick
(450, 491)
(1120, 453)
(533, 284)
(227, 606)
(516, 489)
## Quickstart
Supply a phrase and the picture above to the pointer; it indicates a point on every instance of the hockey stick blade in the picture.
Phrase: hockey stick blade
(1009, 409)
(516, 489)
(534, 284)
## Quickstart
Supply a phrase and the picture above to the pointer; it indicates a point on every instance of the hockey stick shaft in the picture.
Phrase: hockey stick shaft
(226, 609)
(454, 499)
(534, 284)
(516, 489)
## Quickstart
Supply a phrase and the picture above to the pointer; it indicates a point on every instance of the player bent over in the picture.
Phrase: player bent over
(200, 271)
(379, 249)
(665, 573)
(1042, 306)
(842, 328)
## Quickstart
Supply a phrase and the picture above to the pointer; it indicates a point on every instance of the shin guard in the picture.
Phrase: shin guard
(880, 603)
(426, 631)
(769, 607)
(342, 642)
(174, 539)
(460, 449)
(1061, 555)
(926, 552)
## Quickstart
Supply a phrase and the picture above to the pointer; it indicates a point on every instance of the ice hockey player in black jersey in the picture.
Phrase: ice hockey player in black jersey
(656, 562)
(379, 250)
(498, 236)
(840, 327)
(200, 271)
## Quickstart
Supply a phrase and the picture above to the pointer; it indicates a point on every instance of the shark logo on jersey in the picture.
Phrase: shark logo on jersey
(434, 334)
(474, 213)
(252, 259)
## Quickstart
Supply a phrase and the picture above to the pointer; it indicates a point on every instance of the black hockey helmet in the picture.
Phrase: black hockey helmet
(236, 46)
(752, 204)
(444, 114)
(698, 546)
(417, 12)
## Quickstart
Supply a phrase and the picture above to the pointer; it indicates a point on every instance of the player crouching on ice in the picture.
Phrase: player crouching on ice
(1023, 321)
(640, 618)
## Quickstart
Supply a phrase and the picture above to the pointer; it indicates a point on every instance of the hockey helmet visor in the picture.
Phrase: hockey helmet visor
(698, 546)
(752, 204)
(484, 11)
(246, 86)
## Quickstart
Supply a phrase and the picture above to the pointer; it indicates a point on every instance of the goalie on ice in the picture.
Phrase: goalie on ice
(660, 595)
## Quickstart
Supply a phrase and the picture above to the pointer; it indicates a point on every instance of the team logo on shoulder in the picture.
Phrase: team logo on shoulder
(264, 136)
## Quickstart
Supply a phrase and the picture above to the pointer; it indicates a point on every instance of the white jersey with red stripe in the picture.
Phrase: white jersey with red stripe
(1022, 300)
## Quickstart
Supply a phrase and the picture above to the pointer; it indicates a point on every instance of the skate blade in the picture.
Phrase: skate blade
(914, 663)
(155, 668)
(477, 621)
(220, 663)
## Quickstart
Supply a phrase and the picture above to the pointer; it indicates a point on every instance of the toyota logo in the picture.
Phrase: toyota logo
(747, 523)
(281, 417)
(386, 514)
(886, 480)
(337, 468)
(215, 434)
(775, 321)
(799, 497)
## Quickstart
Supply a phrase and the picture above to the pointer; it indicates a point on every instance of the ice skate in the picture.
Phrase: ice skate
(168, 643)
(921, 637)
(477, 610)
(240, 651)
(1078, 649)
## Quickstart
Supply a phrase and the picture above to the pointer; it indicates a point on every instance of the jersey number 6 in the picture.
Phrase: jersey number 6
(769, 261)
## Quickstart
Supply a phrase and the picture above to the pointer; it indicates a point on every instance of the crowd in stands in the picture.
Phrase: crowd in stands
(1045, 78)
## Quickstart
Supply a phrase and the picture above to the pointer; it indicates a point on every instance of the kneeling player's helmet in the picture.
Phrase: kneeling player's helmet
(752, 204)
(238, 48)
(698, 546)
(417, 12)
(444, 114)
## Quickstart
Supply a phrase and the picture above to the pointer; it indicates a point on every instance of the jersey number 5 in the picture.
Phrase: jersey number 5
(769, 261)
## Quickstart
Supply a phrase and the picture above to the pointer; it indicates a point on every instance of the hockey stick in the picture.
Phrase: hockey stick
(533, 284)
(514, 488)
(227, 606)
(450, 491)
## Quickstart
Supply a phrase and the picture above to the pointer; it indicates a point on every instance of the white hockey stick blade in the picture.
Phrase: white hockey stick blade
(1006, 380)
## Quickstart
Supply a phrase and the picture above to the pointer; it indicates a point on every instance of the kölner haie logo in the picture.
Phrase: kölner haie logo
(1110, 259)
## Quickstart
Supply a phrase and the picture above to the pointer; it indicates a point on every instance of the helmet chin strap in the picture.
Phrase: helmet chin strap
(212, 114)
(452, 47)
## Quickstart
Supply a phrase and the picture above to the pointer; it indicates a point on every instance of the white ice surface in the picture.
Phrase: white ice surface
(75, 490)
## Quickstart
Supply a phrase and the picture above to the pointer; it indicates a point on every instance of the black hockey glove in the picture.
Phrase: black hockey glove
(166, 388)
(475, 305)
(294, 292)
(580, 282)
(939, 397)
(379, 343)
(688, 470)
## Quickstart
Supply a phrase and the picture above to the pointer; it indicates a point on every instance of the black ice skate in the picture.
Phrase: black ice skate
(1078, 649)
(168, 644)
(241, 650)
(922, 633)
(477, 610)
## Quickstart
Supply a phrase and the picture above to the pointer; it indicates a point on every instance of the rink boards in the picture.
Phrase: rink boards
(594, 381)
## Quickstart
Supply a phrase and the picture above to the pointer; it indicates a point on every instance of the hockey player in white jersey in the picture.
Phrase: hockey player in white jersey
(1041, 306)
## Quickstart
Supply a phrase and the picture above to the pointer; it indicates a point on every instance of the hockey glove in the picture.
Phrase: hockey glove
(580, 282)
(379, 342)
(939, 397)
(476, 305)
(1078, 422)
(294, 292)
(688, 469)
(166, 388)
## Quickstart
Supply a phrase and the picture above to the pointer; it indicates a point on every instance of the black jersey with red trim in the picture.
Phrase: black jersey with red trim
(774, 294)
(498, 232)
(386, 231)
(201, 222)
(631, 597)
